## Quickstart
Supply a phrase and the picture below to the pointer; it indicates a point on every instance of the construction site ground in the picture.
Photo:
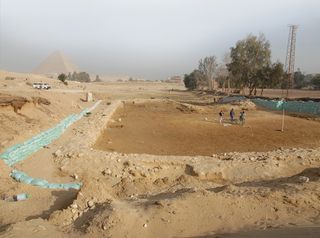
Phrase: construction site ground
(171, 128)
(252, 181)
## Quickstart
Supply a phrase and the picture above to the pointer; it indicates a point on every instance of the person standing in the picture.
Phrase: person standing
(232, 114)
(242, 117)
(221, 117)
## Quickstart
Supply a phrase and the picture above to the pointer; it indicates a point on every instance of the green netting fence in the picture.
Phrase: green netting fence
(19, 152)
(305, 107)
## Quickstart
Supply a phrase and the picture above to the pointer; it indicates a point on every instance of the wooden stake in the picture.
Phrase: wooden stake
(282, 128)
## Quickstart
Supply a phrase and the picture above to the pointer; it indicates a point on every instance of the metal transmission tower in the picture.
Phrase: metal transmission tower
(291, 51)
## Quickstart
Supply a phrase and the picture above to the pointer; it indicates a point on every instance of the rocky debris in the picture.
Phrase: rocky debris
(188, 108)
(75, 217)
(159, 203)
(165, 180)
(74, 206)
(127, 163)
(40, 100)
(204, 172)
(90, 204)
(161, 181)
(182, 179)
(57, 153)
(245, 104)
(70, 155)
(132, 172)
(106, 172)
(303, 179)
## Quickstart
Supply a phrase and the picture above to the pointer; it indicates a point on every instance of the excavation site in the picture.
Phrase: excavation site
(168, 127)
(159, 119)
(155, 162)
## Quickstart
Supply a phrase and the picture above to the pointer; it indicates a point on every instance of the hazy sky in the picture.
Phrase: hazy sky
(151, 38)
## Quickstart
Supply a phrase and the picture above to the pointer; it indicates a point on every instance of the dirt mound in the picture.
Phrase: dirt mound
(14, 101)
(148, 196)
(188, 108)
(17, 102)
(245, 105)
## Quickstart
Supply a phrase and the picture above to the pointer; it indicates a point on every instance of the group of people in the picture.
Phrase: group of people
(232, 116)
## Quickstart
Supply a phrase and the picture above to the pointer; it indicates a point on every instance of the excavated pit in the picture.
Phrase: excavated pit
(172, 128)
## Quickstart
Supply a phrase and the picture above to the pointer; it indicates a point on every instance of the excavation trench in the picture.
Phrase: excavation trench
(172, 128)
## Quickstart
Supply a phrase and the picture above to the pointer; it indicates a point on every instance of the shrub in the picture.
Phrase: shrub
(62, 77)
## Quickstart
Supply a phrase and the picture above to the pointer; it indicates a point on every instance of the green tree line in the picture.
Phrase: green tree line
(247, 65)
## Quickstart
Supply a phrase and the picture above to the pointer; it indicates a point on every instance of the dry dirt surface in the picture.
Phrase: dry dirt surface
(254, 189)
(171, 128)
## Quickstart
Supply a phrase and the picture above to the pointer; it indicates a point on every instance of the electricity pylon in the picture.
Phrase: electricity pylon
(290, 59)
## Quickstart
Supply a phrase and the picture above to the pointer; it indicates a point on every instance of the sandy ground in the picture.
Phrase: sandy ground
(168, 128)
(266, 192)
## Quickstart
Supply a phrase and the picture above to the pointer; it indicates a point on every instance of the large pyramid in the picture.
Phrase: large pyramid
(55, 64)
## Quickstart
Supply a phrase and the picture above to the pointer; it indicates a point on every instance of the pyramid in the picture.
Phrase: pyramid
(55, 64)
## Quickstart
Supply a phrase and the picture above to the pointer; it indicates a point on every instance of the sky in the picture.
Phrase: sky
(151, 39)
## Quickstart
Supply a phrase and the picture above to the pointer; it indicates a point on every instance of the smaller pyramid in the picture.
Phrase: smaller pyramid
(55, 64)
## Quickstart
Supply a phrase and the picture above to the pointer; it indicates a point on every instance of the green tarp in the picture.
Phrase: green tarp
(308, 107)
(21, 151)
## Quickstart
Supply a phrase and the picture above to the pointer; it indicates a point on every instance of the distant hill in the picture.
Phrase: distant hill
(55, 64)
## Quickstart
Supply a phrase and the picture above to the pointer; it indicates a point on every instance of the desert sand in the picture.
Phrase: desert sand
(151, 180)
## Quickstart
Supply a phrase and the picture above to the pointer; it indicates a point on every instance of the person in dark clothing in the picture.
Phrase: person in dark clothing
(242, 117)
(232, 115)
(221, 117)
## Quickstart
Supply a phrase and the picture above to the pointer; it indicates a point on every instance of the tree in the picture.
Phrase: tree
(62, 77)
(207, 67)
(222, 76)
(73, 76)
(81, 77)
(98, 78)
(270, 76)
(299, 79)
(69, 77)
(226, 61)
(316, 81)
(277, 75)
(248, 58)
(193, 80)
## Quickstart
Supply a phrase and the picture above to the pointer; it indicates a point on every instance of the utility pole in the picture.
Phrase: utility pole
(290, 58)
(289, 67)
